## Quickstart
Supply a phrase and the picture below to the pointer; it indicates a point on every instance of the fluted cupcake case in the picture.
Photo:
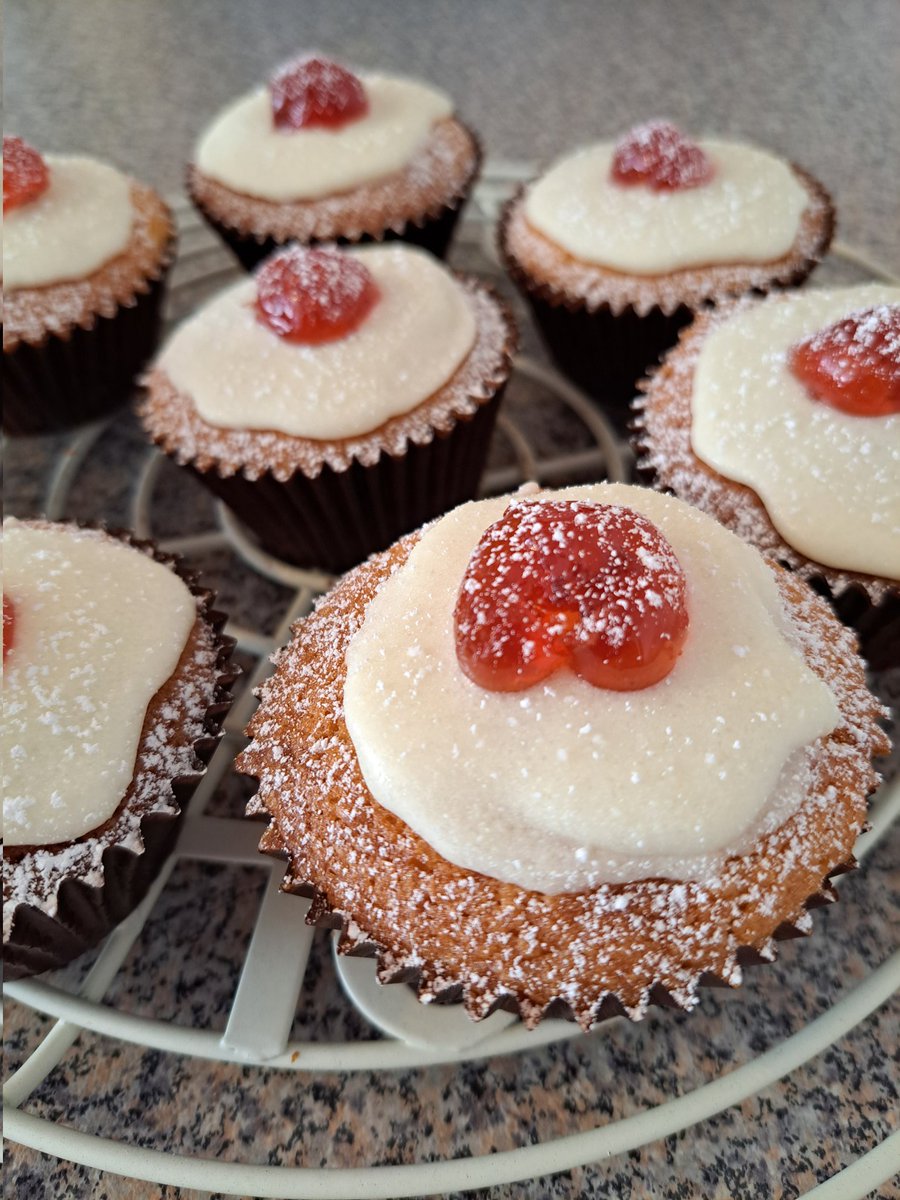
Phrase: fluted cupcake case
(605, 330)
(109, 879)
(460, 936)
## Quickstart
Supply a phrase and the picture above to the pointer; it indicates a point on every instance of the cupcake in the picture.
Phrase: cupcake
(320, 154)
(85, 255)
(781, 418)
(619, 244)
(115, 685)
(337, 399)
(567, 753)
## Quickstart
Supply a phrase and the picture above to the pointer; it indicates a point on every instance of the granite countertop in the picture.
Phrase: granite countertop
(817, 81)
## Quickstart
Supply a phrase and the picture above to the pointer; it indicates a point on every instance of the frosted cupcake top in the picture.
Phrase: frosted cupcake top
(240, 373)
(566, 785)
(80, 220)
(829, 480)
(92, 629)
(747, 209)
(252, 150)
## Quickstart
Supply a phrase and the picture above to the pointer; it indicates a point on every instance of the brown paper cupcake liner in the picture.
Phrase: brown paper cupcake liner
(432, 230)
(338, 518)
(606, 345)
(356, 943)
(460, 935)
(84, 373)
(86, 912)
(330, 504)
(432, 233)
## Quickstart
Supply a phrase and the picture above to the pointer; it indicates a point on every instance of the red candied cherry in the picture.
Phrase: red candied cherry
(595, 587)
(659, 156)
(311, 296)
(314, 92)
(25, 174)
(854, 364)
(9, 625)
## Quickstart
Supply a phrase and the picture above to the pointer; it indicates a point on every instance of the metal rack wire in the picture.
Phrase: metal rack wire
(263, 1006)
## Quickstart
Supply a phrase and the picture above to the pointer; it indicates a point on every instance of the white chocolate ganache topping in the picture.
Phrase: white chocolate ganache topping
(750, 211)
(565, 785)
(829, 480)
(98, 628)
(240, 374)
(244, 150)
(82, 220)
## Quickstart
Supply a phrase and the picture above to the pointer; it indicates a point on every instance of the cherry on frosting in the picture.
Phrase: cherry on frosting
(659, 156)
(854, 364)
(595, 587)
(9, 625)
(311, 296)
(314, 92)
(25, 174)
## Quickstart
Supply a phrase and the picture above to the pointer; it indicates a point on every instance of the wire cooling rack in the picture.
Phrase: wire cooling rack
(257, 1032)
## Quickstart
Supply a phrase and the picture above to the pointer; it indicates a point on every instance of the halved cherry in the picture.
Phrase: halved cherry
(659, 156)
(9, 625)
(314, 92)
(595, 587)
(854, 364)
(310, 295)
(25, 174)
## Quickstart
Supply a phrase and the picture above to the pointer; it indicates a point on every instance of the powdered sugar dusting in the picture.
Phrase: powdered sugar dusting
(549, 582)
(311, 90)
(658, 154)
(174, 424)
(613, 948)
(852, 353)
(174, 722)
(538, 264)
(666, 415)
(30, 314)
(437, 176)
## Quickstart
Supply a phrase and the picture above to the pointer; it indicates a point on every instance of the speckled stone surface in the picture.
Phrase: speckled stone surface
(133, 83)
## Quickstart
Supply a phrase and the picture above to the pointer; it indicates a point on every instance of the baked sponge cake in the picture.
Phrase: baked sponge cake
(321, 153)
(86, 252)
(567, 753)
(620, 243)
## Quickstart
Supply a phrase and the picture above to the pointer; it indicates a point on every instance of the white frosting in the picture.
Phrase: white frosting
(80, 222)
(240, 374)
(99, 627)
(749, 212)
(244, 150)
(830, 481)
(566, 785)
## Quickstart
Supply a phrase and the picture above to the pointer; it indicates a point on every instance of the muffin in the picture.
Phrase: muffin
(781, 418)
(86, 251)
(568, 753)
(321, 154)
(115, 685)
(336, 400)
(619, 244)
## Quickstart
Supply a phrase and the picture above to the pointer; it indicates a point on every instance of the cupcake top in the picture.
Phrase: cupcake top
(655, 202)
(657, 220)
(324, 344)
(316, 130)
(80, 241)
(826, 471)
(92, 628)
(64, 216)
(399, 666)
(564, 784)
